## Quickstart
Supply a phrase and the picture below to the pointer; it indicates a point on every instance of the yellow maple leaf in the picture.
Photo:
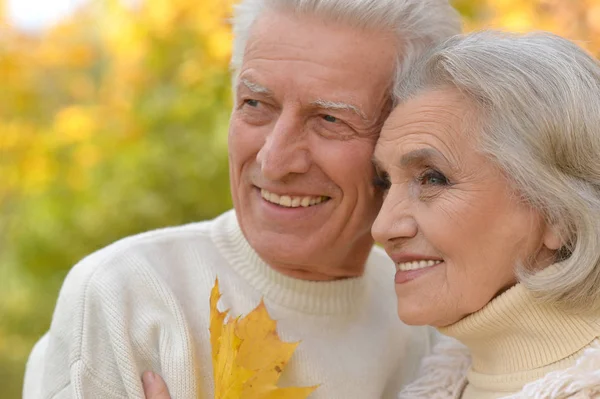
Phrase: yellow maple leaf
(248, 355)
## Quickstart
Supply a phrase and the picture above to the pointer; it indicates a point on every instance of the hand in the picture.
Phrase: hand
(154, 386)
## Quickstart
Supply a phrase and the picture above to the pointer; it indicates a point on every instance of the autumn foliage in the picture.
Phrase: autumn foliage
(248, 356)
(115, 121)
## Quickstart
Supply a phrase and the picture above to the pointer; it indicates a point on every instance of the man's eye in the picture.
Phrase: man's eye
(434, 178)
(251, 102)
(330, 118)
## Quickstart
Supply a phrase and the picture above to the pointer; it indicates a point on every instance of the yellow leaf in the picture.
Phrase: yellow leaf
(217, 319)
(288, 393)
(230, 376)
(248, 355)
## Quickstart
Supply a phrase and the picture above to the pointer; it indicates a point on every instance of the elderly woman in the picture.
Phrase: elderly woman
(491, 171)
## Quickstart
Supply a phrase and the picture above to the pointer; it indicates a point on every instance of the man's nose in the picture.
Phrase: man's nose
(395, 220)
(285, 150)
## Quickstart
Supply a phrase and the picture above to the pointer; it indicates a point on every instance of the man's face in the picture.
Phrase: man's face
(310, 101)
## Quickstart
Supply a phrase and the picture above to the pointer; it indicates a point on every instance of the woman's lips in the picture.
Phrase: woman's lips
(404, 276)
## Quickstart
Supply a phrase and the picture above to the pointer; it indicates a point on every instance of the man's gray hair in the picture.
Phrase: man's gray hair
(418, 24)
(537, 107)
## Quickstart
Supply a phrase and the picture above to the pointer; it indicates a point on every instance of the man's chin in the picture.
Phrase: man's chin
(281, 248)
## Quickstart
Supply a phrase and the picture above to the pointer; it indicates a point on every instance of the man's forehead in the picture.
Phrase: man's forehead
(340, 66)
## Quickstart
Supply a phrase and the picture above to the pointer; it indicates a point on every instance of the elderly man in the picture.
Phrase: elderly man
(312, 88)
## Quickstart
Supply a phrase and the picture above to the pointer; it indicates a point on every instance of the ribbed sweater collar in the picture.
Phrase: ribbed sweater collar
(515, 333)
(322, 297)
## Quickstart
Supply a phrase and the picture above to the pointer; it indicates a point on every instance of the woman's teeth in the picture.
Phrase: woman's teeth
(415, 265)
(291, 201)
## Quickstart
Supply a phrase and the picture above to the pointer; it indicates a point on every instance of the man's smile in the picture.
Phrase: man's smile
(291, 201)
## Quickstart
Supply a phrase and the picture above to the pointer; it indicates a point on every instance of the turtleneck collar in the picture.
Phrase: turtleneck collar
(313, 297)
(515, 333)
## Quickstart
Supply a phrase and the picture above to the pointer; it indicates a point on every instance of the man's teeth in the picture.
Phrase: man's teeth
(419, 264)
(290, 201)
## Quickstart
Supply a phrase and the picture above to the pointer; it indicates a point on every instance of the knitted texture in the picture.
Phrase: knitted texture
(443, 375)
(581, 381)
(514, 347)
(143, 304)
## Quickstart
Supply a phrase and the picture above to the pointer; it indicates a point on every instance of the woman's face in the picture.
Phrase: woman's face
(450, 220)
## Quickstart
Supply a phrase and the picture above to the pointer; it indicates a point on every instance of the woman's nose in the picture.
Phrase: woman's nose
(395, 219)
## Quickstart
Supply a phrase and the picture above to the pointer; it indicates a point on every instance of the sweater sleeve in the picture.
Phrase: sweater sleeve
(114, 319)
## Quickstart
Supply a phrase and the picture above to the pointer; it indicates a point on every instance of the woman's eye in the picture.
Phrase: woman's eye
(434, 178)
(251, 102)
(381, 180)
(330, 118)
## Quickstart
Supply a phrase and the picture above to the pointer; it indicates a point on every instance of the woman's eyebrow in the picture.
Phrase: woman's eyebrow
(376, 164)
(413, 158)
(421, 156)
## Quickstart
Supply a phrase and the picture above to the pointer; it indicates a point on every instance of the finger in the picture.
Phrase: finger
(154, 386)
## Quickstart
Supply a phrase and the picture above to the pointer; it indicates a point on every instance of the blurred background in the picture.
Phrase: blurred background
(113, 121)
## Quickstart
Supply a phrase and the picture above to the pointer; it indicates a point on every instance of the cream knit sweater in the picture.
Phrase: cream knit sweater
(143, 304)
(515, 348)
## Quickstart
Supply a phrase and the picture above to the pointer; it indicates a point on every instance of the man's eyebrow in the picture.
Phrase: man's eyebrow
(256, 88)
(339, 106)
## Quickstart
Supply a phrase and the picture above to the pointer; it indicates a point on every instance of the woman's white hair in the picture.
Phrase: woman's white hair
(418, 24)
(537, 101)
